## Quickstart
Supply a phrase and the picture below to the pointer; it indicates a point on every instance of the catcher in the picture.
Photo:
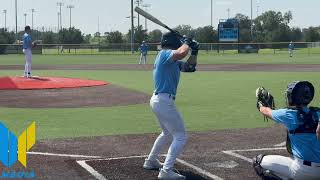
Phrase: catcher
(303, 135)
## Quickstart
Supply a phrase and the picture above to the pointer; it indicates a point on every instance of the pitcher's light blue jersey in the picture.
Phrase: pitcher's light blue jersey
(144, 48)
(166, 73)
(304, 146)
(291, 46)
(27, 40)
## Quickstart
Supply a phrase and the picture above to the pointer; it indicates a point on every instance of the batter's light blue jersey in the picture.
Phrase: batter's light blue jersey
(166, 73)
(27, 41)
(304, 146)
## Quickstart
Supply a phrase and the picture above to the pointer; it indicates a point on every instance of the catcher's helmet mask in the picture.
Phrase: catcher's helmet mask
(299, 93)
(170, 40)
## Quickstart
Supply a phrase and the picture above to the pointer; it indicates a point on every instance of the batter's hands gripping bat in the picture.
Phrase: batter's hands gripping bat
(155, 20)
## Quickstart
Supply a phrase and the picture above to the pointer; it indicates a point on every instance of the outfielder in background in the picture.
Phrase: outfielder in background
(27, 51)
(291, 48)
(166, 75)
(144, 51)
(303, 136)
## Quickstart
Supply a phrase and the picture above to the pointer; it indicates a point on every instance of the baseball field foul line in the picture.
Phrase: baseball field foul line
(234, 154)
(63, 155)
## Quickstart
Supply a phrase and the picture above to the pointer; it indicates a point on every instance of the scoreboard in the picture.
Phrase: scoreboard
(228, 30)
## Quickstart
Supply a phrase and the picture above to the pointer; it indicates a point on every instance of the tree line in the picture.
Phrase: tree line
(271, 26)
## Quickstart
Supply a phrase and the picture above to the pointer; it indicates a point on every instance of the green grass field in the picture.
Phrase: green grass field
(204, 58)
(207, 100)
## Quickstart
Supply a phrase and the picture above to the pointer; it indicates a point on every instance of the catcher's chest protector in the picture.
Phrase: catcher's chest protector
(310, 121)
(310, 124)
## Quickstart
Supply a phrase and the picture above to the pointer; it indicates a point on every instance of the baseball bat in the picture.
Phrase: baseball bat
(155, 20)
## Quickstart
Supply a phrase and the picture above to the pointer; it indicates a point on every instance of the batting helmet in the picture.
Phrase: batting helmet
(170, 40)
(299, 93)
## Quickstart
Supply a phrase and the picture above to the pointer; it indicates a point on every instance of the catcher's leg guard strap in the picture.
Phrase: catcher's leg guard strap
(257, 164)
(263, 173)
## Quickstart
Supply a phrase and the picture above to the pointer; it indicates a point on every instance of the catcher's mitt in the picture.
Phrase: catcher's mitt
(264, 98)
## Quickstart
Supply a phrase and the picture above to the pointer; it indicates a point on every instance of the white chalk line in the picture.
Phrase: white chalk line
(234, 154)
(92, 171)
(259, 149)
(280, 144)
(118, 158)
(199, 170)
(237, 155)
(63, 155)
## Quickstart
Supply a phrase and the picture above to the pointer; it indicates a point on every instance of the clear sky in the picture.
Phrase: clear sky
(112, 14)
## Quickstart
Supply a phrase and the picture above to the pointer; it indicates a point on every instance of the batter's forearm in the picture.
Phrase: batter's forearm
(181, 53)
(192, 59)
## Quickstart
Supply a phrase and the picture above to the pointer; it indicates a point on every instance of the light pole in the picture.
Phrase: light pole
(99, 31)
(32, 11)
(60, 4)
(70, 7)
(251, 10)
(138, 2)
(25, 19)
(228, 13)
(211, 13)
(16, 10)
(58, 22)
(132, 28)
(5, 19)
(251, 21)
(145, 19)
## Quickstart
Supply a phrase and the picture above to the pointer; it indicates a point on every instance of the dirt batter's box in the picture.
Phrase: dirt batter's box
(131, 168)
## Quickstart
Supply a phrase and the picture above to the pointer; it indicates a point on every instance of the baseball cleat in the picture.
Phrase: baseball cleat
(170, 175)
(152, 164)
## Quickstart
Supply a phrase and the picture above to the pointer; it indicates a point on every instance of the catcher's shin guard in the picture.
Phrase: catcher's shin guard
(261, 172)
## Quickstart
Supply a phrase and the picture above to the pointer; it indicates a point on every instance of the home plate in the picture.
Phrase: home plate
(226, 164)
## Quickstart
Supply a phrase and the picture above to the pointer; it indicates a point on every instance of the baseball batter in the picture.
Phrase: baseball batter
(144, 52)
(166, 75)
(27, 46)
(303, 139)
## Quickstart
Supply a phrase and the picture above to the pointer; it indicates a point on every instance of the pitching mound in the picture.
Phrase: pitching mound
(46, 83)
(97, 96)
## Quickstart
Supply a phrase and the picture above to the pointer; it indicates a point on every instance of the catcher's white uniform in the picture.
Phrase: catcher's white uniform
(305, 163)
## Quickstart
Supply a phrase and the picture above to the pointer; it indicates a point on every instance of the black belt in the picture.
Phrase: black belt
(171, 96)
(308, 163)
